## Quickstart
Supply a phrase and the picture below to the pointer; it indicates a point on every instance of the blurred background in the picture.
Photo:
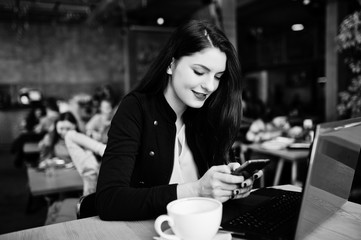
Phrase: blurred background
(300, 58)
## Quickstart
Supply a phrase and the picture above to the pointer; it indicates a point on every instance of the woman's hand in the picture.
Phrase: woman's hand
(220, 184)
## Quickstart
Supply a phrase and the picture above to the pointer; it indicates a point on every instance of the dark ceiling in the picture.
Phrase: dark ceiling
(118, 12)
(253, 13)
(280, 14)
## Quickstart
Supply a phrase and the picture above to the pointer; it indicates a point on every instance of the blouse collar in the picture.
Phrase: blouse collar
(165, 109)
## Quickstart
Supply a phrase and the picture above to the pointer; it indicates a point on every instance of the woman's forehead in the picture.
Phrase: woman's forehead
(212, 58)
(65, 123)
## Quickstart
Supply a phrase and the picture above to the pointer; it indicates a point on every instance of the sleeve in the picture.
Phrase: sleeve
(79, 147)
(76, 138)
(81, 150)
(92, 124)
(116, 198)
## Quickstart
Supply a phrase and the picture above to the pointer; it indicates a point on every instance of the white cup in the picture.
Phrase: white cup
(194, 218)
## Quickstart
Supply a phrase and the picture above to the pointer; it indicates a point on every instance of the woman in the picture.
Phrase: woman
(98, 125)
(171, 136)
(53, 145)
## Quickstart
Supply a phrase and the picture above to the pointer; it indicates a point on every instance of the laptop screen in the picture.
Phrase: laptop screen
(334, 157)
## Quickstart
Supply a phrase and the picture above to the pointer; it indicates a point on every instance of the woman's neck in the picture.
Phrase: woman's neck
(176, 104)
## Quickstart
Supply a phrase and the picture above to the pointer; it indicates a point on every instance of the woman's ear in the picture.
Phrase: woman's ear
(169, 69)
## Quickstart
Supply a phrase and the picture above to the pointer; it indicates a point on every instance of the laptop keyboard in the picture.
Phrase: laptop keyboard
(269, 216)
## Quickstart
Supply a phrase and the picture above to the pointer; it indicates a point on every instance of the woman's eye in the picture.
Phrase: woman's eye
(218, 77)
(198, 73)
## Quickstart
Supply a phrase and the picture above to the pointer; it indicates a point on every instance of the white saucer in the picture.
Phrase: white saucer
(219, 236)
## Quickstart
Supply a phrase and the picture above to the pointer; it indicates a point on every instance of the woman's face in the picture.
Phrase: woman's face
(194, 78)
(38, 113)
(62, 127)
(106, 108)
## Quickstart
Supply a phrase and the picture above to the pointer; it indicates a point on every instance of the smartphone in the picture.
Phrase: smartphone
(250, 167)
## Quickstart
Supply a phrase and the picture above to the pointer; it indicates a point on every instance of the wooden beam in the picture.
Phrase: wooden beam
(336, 10)
(229, 15)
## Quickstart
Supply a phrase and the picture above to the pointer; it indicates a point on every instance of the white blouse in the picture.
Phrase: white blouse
(184, 167)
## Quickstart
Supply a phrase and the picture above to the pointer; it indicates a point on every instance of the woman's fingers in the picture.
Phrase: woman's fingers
(233, 165)
(258, 175)
(219, 183)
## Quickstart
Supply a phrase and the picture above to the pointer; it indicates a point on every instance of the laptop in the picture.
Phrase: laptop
(334, 155)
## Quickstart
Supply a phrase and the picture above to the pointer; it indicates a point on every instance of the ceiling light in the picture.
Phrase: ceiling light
(160, 21)
(297, 27)
(306, 2)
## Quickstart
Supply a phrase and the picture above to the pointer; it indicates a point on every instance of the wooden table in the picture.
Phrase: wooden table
(64, 180)
(344, 224)
(293, 156)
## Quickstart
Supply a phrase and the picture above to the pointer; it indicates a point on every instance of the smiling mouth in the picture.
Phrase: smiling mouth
(200, 96)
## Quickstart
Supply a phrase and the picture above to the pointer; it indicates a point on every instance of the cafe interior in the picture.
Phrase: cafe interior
(299, 67)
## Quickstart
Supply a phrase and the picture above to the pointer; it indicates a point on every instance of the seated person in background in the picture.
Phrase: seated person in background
(267, 127)
(52, 114)
(97, 127)
(28, 134)
(103, 92)
(53, 144)
(170, 137)
(36, 113)
(83, 151)
(81, 105)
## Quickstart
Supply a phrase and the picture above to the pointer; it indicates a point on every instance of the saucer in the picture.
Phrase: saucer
(219, 236)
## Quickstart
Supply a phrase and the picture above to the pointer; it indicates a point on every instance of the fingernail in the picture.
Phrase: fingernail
(255, 176)
(244, 185)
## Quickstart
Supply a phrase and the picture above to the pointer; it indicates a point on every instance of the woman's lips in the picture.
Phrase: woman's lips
(200, 96)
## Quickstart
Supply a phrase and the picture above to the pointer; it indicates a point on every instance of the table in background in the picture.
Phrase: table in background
(344, 224)
(291, 155)
(64, 180)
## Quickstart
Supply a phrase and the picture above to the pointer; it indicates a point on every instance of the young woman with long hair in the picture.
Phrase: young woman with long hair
(171, 136)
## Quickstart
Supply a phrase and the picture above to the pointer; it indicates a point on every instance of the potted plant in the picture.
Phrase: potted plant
(349, 45)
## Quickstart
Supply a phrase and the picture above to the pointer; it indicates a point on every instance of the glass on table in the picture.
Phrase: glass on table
(50, 165)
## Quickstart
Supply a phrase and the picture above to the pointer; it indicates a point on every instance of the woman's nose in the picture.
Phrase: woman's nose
(210, 84)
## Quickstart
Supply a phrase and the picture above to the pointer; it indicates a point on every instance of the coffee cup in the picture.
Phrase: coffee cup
(195, 218)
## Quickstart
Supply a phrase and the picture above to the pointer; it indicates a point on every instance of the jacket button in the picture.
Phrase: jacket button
(155, 123)
(151, 153)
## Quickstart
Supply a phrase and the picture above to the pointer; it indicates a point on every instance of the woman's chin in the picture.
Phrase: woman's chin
(196, 104)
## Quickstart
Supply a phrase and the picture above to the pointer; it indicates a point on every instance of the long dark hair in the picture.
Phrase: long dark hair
(220, 117)
(54, 135)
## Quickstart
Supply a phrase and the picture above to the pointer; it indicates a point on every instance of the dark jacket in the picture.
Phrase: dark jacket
(133, 182)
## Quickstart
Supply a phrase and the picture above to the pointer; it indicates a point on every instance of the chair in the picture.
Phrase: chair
(31, 153)
(86, 206)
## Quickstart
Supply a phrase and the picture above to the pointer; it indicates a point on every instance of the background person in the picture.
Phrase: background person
(53, 145)
(52, 114)
(98, 126)
(28, 134)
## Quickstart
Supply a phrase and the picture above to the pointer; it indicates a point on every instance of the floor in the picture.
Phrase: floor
(18, 209)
